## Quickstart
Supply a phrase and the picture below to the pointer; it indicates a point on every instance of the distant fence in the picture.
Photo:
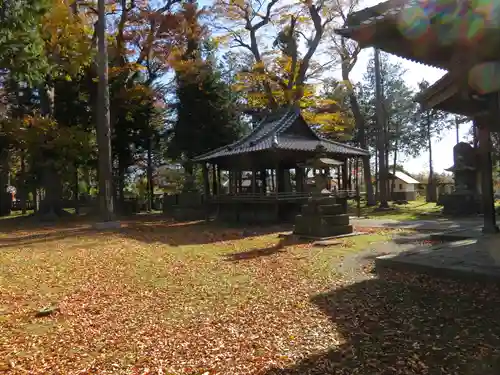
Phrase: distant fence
(131, 205)
(17, 206)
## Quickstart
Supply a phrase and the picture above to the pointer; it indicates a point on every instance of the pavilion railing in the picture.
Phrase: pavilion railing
(282, 196)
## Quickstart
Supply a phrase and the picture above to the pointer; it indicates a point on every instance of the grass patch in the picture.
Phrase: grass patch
(157, 294)
(157, 297)
(414, 210)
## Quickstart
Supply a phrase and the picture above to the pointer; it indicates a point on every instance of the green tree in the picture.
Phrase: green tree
(348, 52)
(200, 86)
(214, 123)
(21, 44)
(401, 136)
(431, 124)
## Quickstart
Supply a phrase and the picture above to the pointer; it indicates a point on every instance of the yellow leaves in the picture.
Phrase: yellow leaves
(115, 71)
(67, 37)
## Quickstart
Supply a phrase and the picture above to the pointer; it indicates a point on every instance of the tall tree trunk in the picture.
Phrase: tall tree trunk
(23, 187)
(103, 121)
(388, 183)
(35, 199)
(394, 163)
(381, 129)
(377, 179)
(431, 189)
(51, 206)
(361, 127)
(76, 195)
(150, 174)
(121, 187)
(396, 143)
(5, 202)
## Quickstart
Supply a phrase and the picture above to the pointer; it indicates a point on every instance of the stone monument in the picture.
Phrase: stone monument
(322, 217)
(321, 184)
(465, 199)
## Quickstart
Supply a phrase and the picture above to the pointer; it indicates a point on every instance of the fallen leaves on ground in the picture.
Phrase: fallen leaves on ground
(163, 298)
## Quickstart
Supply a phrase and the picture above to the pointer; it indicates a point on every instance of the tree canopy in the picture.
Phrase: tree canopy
(182, 81)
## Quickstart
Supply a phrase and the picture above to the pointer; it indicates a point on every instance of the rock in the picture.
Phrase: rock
(46, 311)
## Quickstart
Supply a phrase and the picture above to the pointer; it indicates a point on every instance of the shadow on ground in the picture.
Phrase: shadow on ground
(144, 228)
(429, 224)
(266, 251)
(408, 325)
(160, 230)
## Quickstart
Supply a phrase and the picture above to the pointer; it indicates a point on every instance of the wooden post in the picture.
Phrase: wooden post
(475, 140)
(254, 180)
(214, 180)
(489, 214)
(219, 180)
(263, 180)
(358, 198)
(280, 179)
(344, 175)
(240, 181)
(339, 187)
(206, 182)
(299, 179)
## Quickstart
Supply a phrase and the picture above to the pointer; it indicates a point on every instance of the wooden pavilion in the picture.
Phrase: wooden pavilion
(429, 34)
(276, 156)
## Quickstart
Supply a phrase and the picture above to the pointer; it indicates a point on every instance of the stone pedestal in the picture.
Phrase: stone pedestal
(322, 218)
(460, 203)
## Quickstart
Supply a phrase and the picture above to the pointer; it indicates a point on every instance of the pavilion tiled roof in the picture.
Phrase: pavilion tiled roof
(446, 95)
(273, 132)
(379, 26)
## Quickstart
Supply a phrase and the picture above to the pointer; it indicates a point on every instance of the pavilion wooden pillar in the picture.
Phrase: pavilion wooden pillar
(344, 174)
(358, 197)
(489, 214)
(206, 182)
(215, 189)
(241, 175)
(254, 180)
(280, 179)
(231, 182)
(299, 179)
(263, 180)
(219, 180)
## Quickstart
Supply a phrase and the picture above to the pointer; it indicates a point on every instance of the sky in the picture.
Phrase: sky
(443, 148)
